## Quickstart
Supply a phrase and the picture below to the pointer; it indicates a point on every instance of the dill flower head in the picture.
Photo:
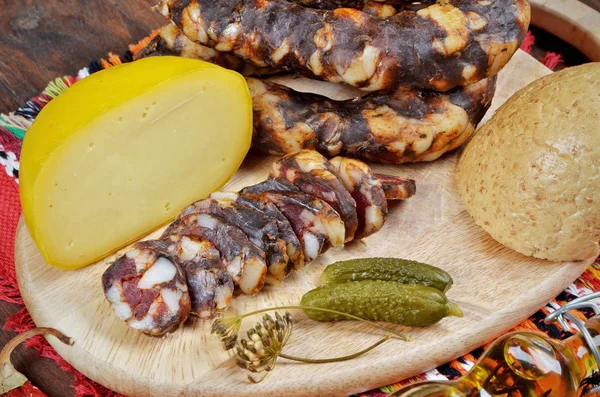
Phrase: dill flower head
(265, 343)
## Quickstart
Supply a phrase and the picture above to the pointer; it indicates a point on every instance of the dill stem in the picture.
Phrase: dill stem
(386, 329)
(337, 359)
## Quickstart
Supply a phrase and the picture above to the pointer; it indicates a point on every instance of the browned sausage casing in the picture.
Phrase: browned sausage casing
(405, 126)
(447, 44)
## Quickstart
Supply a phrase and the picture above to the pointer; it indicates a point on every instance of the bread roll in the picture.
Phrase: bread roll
(531, 176)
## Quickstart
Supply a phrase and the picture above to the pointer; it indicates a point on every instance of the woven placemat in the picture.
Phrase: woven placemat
(13, 128)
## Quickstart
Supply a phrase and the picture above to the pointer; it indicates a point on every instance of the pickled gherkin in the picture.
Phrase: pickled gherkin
(387, 269)
(377, 300)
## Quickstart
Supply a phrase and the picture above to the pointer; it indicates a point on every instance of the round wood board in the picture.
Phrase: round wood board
(496, 288)
(572, 21)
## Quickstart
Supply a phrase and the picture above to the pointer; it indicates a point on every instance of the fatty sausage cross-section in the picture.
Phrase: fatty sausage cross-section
(312, 218)
(148, 291)
(286, 232)
(261, 229)
(210, 285)
(367, 191)
(315, 222)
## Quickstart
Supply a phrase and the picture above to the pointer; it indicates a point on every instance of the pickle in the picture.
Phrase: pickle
(376, 300)
(387, 269)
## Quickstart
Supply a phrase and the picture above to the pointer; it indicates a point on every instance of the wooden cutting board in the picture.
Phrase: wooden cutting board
(496, 288)
(572, 21)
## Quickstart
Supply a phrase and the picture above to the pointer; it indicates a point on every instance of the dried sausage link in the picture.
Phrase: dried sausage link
(307, 205)
(449, 43)
(406, 126)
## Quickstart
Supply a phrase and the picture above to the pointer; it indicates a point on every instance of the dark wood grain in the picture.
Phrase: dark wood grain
(42, 40)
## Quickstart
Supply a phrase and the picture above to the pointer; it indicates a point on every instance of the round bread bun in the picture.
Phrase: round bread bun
(531, 175)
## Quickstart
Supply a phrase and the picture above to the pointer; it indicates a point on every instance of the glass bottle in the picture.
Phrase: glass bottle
(528, 364)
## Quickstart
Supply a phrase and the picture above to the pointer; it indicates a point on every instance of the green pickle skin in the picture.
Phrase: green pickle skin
(376, 300)
(387, 269)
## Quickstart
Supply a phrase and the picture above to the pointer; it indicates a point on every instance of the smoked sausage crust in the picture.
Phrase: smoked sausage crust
(406, 126)
(447, 44)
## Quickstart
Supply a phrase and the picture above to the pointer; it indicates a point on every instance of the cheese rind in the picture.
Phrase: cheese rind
(124, 150)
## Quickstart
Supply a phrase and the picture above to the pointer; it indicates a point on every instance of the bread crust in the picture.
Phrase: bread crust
(531, 176)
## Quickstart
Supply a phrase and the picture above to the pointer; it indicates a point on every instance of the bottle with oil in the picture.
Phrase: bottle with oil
(527, 364)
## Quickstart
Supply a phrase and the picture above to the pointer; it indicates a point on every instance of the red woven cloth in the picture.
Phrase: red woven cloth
(10, 210)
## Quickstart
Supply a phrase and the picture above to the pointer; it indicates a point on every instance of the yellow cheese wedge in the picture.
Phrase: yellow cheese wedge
(124, 150)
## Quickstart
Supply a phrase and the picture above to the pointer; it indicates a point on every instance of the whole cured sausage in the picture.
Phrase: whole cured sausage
(405, 126)
(447, 44)
(169, 40)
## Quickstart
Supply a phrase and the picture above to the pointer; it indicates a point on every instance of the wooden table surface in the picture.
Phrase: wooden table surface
(40, 41)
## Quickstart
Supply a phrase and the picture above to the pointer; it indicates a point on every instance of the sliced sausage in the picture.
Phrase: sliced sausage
(312, 174)
(210, 285)
(245, 262)
(148, 291)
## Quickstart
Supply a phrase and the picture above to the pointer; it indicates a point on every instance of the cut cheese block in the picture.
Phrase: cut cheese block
(124, 150)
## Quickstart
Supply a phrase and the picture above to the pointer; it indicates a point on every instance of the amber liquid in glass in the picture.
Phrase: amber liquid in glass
(522, 364)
